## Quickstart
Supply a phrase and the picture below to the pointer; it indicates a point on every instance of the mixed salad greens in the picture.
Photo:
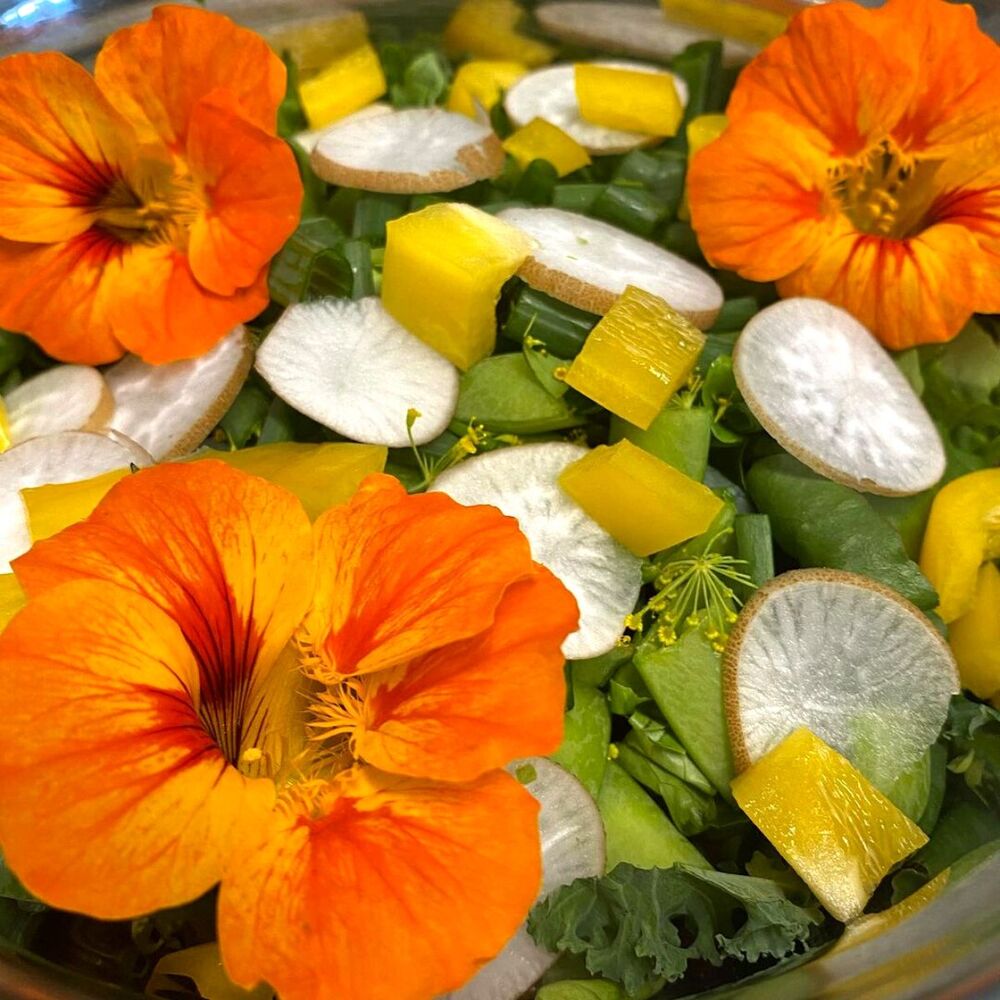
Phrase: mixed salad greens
(693, 895)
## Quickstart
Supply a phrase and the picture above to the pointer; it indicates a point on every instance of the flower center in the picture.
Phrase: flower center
(885, 191)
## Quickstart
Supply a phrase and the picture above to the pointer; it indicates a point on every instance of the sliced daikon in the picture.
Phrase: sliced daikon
(308, 140)
(844, 657)
(353, 368)
(572, 838)
(602, 575)
(822, 386)
(635, 29)
(170, 409)
(64, 398)
(418, 150)
(589, 263)
(550, 93)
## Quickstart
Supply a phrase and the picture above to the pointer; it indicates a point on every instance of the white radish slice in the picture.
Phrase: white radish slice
(64, 398)
(572, 837)
(308, 140)
(66, 457)
(845, 657)
(419, 150)
(353, 368)
(822, 386)
(602, 575)
(635, 29)
(170, 409)
(589, 263)
(550, 93)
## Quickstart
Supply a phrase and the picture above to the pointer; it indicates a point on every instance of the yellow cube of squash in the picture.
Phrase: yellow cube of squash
(488, 29)
(478, 85)
(700, 132)
(349, 83)
(826, 819)
(637, 357)
(628, 99)
(638, 499)
(314, 44)
(755, 21)
(442, 274)
(975, 637)
(5, 439)
(541, 140)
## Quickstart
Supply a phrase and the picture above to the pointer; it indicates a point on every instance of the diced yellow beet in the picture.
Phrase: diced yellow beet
(756, 21)
(628, 99)
(541, 140)
(478, 85)
(700, 131)
(349, 83)
(443, 270)
(975, 637)
(5, 440)
(827, 820)
(637, 357)
(315, 43)
(488, 29)
(638, 499)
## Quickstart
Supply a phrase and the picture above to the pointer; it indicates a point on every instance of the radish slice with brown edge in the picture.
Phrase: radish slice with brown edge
(602, 575)
(636, 29)
(170, 409)
(66, 457)
(550, 93)
(589, 263)
(353, 368)
(826, 391)
(64, 398)
(845, 657)
(416, 151)
(308, 140)
(572, 839)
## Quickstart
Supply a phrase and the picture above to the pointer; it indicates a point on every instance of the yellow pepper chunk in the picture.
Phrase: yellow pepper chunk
(755, 21)
(352, 81)
(628, 99)
(488, 29)
(963, 532)
(12, 598)
(478, 85)
(541, 140)
(5, 438)
(637, 357)
(701, 131)
(202, 964)
(316, 43)
(638, 499)
(975, 637)
(827, 820)
(442, 273)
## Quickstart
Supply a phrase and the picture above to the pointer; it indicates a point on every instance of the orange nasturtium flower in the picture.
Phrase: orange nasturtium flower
(139, 208)
(204, 687)
(862, 166)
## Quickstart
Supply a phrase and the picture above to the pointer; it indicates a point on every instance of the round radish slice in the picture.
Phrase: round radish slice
(353, 368)
(66, 457)
(64, 398)
(589, 263)
(845, 657)
(822, 386)
(602, 575)
(550, 93)
(572, 837)
(636, 29)
(170, 409)
(420, 150)
(308, 140)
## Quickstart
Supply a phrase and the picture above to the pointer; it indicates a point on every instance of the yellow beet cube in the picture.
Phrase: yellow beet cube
(628, 99)
(700, 131)
(349, 83)
(442, 274)
(827, 820)
(638, 499)
(5, 439)
(975, 637)
(478, 85)
(12, 598)
(488, 29)
(314, 44)
(541, 140)
(637, 357)
(756, 21)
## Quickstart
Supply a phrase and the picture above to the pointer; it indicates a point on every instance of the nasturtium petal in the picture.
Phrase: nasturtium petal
(11, 598)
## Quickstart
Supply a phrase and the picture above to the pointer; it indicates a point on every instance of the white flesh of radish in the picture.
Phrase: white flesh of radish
(602, 575)
(64, 398)
(550, 93)
(353, 368)
(170, 409)
(572, 837)
(825, 389)
(308, 140)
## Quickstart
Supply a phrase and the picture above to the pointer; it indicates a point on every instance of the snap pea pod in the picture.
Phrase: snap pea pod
(680, 437)
(821, 523)
(599, 669)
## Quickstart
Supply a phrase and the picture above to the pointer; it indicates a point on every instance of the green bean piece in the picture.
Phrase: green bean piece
(560, 327)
